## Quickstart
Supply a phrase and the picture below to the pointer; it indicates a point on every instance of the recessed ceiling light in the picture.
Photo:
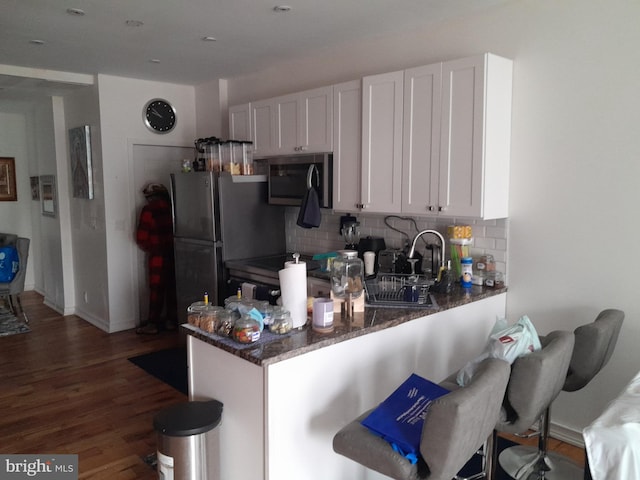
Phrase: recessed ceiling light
(75, 11)
(154, 60)
(133, 23)
(209, 39)
(282, 8)
(36, 42)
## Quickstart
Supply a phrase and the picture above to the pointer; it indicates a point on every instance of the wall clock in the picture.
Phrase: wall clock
(159, 116)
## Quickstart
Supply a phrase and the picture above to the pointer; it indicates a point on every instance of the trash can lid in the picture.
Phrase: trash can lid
(190, 418)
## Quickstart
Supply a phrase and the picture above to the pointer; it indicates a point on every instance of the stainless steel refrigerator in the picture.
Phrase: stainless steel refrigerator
(218, 218)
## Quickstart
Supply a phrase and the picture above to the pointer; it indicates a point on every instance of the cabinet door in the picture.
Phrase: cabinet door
(347, 122)
(421, 139)
(316, 116)
(461, 158)
(475, 138)
(287, 124)
(262, 117)
(382, 142)
(240, 122)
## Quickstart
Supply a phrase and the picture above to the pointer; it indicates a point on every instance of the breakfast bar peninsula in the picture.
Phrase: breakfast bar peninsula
(286, 396)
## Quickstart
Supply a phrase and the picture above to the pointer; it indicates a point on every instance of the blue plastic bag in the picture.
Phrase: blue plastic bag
(400, 417)
(9, 263)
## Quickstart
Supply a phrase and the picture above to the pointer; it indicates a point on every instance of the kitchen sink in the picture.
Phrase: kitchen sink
(399, 291)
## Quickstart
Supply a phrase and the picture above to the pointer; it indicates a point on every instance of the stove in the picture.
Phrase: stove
(263, 272)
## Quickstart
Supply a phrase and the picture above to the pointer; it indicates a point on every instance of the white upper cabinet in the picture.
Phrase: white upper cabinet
(263, 127)
(445, 130)
(289, 124)
(475, 137)
(421, 139)
(316, 120)
(240, 122)
(382, 107)
(347, 122)
(432, 140)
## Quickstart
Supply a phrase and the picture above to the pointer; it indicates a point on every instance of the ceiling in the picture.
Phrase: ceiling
(96, 36)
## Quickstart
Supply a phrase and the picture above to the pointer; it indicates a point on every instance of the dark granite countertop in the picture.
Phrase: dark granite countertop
(273, 348)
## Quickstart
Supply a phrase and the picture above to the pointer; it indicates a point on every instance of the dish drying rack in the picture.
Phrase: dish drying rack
(388, 290)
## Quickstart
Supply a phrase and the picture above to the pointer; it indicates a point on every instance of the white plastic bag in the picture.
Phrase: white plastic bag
(505, 343)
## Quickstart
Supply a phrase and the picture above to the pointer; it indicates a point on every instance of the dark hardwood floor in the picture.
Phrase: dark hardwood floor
(67, 387)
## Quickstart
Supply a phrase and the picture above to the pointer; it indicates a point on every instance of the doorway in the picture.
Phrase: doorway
(151, 164)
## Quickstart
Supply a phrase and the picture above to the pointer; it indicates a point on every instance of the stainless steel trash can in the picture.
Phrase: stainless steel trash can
(188, 441)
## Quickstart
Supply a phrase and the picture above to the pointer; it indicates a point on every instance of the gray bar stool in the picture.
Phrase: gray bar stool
(536, 380)
(594, 345)
(455, 427)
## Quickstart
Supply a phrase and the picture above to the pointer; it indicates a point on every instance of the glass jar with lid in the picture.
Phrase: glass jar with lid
(281, 322)
(246, 329)
(346, 275)
(347, 279)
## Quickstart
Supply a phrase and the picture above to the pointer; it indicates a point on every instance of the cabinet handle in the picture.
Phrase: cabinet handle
(431, 208)
(442, 209)
(303, 148)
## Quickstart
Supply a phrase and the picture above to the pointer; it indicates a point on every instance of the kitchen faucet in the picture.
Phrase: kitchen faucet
(415, 239)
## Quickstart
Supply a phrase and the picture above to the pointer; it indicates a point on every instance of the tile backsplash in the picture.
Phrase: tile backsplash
(489, 236)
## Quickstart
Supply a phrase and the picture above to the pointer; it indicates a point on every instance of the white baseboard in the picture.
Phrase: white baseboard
(566, 435)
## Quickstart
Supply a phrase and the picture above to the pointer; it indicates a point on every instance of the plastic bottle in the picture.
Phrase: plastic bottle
(466, 278)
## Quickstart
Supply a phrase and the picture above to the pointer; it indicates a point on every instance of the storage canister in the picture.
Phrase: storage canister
(247, 158)
(213, 156)
(347, 274)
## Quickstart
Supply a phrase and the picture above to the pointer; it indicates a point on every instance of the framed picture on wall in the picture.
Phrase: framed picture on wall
(48, 195)
(81, 167)
(8, 191)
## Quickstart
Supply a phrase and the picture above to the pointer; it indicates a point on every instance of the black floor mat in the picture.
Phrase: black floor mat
(168, 365)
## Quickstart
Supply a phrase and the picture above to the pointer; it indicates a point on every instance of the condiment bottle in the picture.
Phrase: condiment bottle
(466, 278)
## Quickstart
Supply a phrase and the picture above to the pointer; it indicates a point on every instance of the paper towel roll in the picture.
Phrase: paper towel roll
(293, 288)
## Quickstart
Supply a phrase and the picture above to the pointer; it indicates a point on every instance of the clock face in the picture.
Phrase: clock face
(159, 116)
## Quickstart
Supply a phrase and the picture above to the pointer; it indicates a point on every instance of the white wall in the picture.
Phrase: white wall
(574, 166)
(211, 109)
(87, 224)
(26, 133)
(121, 102)
(15, 216)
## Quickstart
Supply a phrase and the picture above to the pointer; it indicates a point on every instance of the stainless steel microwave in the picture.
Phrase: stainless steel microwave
(291, 176)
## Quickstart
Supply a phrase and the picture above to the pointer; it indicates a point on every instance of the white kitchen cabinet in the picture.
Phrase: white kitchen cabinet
(421, 139)
(347, 122)
(263, 127)
(295, 123)
(475, 137)
(240, 122)
(446, 134)
(304, 122)
(382, 112)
